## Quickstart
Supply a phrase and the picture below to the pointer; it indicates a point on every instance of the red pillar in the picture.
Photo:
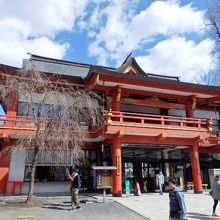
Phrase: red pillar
(116, 149)
(197, 181)
(117, 174)
(12, 108)
(115, 105)
(4, 166)
(12, 105)
(116, 98)
(189, 111)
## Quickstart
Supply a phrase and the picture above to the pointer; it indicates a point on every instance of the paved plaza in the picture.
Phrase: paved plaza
(156, 207)
(58, 208)
(150, 206)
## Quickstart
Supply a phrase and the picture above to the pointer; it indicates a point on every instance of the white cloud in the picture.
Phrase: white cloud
(31, 26)
(124, 31)
(179, 57)
(115, 29)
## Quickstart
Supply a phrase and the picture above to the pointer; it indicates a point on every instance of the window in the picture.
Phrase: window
(48, 173)
(23, 109)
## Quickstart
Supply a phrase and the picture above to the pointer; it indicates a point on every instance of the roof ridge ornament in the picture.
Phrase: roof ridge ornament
(126, 58)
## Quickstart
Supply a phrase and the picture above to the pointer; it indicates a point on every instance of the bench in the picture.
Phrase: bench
(190, 186)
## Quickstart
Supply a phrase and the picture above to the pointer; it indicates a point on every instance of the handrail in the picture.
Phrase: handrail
(116, 117)
(152, 115)
(161, 120)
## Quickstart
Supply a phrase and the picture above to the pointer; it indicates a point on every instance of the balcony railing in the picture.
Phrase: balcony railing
(141, 120)
(29, 123)
(17, 121)
(117, 118)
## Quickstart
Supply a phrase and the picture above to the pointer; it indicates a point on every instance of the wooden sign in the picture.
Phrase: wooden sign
(118, 164)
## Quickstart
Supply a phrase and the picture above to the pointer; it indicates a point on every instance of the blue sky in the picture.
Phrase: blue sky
(166, 37)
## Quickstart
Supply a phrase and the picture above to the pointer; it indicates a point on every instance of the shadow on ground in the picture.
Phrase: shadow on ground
(199, 216)
(65, 206)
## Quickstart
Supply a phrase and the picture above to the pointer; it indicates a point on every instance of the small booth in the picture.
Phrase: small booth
(104, 178)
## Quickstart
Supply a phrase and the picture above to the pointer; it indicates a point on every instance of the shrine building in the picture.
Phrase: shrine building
(155, 122)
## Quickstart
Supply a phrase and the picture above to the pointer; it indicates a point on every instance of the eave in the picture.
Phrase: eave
(112, 79)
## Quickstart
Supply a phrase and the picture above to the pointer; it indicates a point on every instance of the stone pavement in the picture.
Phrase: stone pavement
(149, 206)
(58, 208)
(156, 207)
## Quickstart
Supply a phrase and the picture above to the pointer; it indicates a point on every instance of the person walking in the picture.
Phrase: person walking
(215, 192)
(160, 181)
(74, 189)
(177, 201)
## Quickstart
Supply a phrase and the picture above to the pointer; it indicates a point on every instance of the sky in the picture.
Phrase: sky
(166, 37)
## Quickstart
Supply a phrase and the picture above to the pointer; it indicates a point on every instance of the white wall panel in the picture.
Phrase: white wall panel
(17, 165)
(178, 113)
(47, 187)
(206, 114)
(140, 109)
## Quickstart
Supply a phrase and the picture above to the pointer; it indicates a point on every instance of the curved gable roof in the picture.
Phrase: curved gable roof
(131, 66)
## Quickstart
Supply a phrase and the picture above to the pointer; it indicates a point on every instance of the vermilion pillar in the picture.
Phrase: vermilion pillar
(12, 108)
(4, 166)
(189, 111)
(12, 105)
(197, 181)
(116, 148)
(117, 174)
(190, 106)
(115, 105)
(117, 98)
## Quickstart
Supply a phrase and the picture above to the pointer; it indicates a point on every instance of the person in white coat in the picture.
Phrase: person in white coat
(160, 181)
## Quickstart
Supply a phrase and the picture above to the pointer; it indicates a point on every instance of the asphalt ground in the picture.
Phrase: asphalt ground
(59, 208)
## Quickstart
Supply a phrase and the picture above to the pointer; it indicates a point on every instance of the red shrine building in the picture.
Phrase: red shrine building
(155, 122)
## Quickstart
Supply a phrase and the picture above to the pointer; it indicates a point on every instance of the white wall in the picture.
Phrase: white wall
(197, 114)
(178, 113)
(37, 98)
(17, 165)
(140, 109)
(47, 187)
(206, 114)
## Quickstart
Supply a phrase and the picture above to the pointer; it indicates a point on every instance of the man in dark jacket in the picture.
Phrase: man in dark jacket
(177, 202)
(75, 185)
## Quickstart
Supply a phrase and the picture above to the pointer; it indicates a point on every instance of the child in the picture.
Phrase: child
(177, 202)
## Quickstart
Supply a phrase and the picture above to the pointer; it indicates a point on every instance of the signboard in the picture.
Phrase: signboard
(118, 164)
(99, 181)
(104, 181)
(107, 181)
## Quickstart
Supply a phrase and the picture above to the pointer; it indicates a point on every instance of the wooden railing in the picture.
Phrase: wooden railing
(126, 118)
(27, 122)
(114, 117)
(16, 121)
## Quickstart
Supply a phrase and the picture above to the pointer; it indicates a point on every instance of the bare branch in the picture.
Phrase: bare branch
(61, 115)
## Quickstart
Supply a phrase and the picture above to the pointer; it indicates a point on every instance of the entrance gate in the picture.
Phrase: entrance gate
(142, 164)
